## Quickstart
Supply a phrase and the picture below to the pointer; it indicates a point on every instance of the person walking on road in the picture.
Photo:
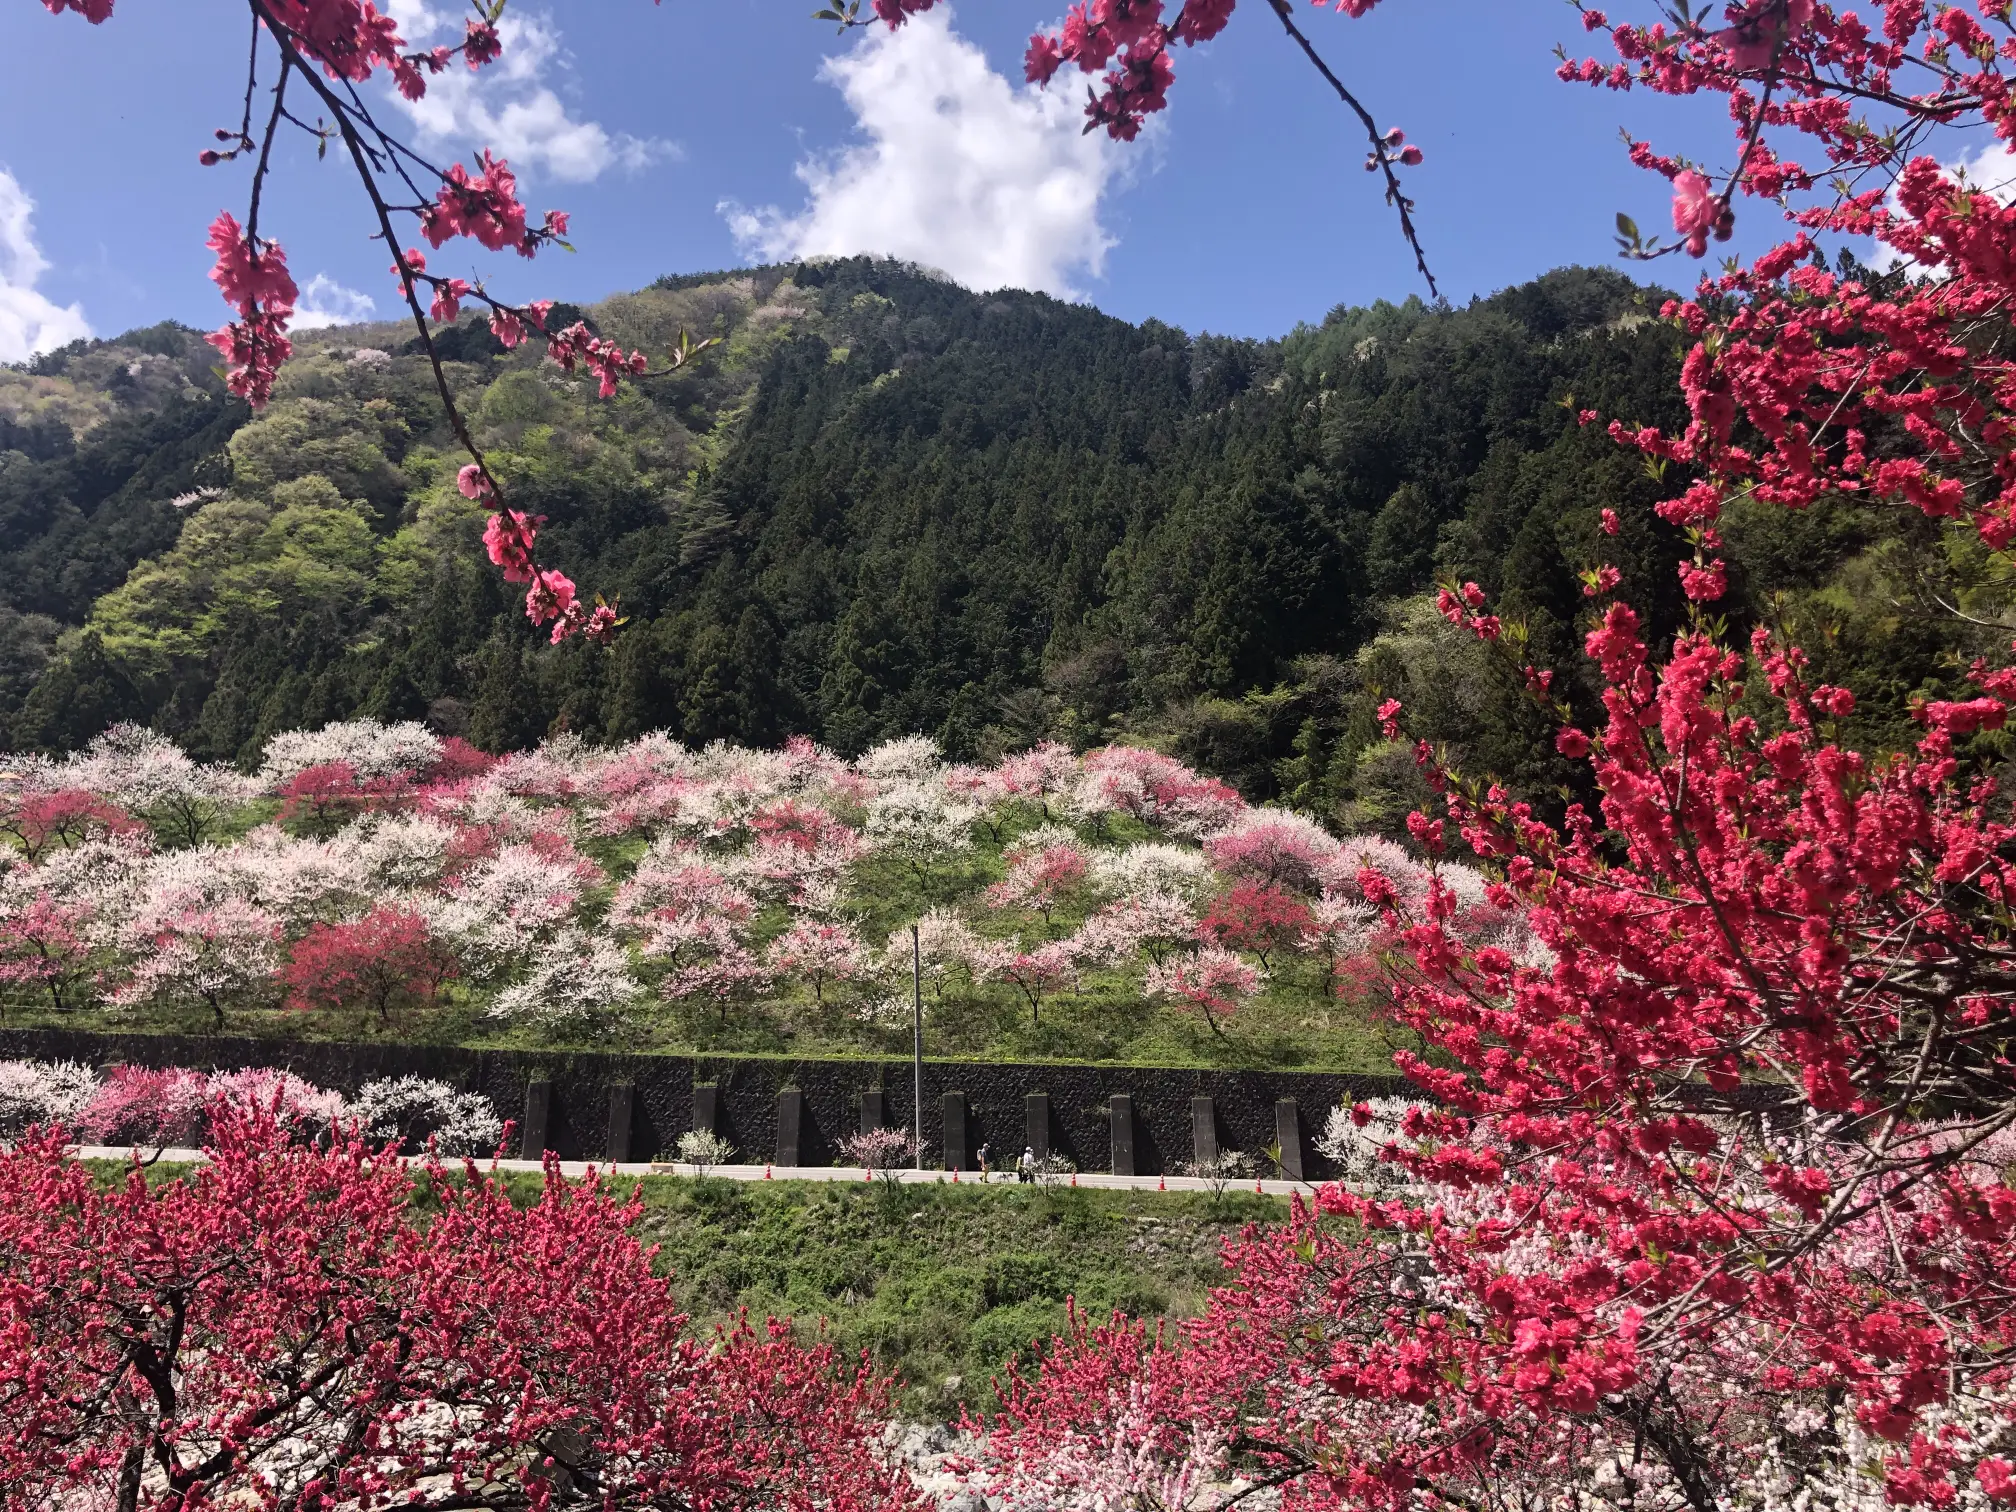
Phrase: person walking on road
(1026, 1169)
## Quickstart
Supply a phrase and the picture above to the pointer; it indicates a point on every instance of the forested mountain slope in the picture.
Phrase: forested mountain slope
(884, 504)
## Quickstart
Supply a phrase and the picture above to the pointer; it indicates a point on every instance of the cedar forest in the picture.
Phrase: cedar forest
(888, 506)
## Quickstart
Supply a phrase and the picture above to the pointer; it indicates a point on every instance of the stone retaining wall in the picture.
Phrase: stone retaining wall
(634, 1107)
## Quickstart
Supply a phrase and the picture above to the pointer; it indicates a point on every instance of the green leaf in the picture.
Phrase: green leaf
(1627, 226)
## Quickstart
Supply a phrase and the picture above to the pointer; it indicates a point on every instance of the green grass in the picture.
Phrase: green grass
(939, 1285)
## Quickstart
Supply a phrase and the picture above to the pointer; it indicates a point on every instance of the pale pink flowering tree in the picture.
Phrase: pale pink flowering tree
(808, 767)
(301, 882)
(299, 1107)
(1155, 869)
(496, 910)
(1038, 973)
(1273, 846)
(1044, 872)
(983, 791)
(1155, 922)
(883, 1151)
(639, 787)
(822, 955)
(141, 1105)
(946, 946)
(808, 880)
(678, 883)
(1213, 982)
(1345, 931)
(371, 750)
(724, 974)
(1156, 789)
(907, 758)
(150, 776)
(916, 821)
(217, 954)
(1043, 776)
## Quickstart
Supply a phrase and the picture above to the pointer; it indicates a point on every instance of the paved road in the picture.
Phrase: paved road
(1094, 1179)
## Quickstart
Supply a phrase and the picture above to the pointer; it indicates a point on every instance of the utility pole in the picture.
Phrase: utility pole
(917, 1041)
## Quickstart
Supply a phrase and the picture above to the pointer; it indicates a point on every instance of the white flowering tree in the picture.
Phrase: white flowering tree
(574, 979)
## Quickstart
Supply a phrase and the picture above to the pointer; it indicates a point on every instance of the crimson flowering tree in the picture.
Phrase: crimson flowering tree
(39, 820)
(281, 1330)
(1254, 916)
(323, 797)
(387, 959)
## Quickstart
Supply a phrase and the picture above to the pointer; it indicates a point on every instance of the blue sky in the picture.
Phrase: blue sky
(693, 135)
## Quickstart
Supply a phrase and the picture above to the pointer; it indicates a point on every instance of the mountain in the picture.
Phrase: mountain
(883, 504)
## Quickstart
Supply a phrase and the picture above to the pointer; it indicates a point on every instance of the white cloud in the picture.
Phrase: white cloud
(506, 106)
(994, 183)
(30, 322)
(325, 302)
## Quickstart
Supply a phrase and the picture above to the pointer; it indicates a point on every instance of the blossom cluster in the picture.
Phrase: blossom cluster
(138, 1105)
(374, 868)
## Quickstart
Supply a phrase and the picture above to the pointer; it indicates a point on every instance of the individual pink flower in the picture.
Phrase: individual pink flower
(1694, 210)
(550, 596)
(1044, 58)
(508, 539)
(1997, 1477)
(474, 482)
(448, 297)
(481, 45)
(1201, 20)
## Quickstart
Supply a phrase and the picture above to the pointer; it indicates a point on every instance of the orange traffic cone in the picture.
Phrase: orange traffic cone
(1162, 1184)
(866, 1174)
(1256, 1188)
(955, 1176)
(766, 1170)
(1074, 1178)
